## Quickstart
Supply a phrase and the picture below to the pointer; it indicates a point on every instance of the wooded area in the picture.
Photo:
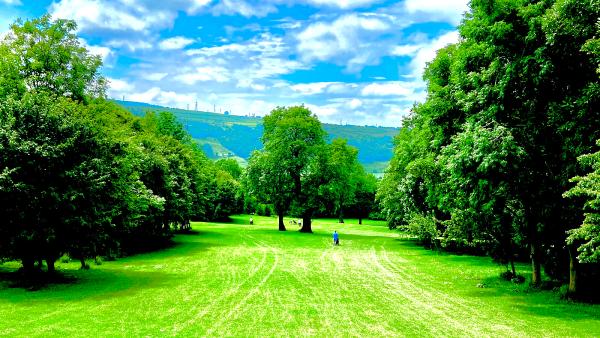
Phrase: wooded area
(498, 156)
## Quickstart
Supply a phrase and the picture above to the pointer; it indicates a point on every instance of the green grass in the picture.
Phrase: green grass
(240, 280)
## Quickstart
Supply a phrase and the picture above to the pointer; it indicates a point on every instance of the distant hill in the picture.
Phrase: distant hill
(222, 135)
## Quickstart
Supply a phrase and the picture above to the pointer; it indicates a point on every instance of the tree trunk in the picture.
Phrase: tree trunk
(306, 224)
(84, 265)
(573, 263)
(281, 223)
(512, 266)
(28, 264)
(360, 220)
(50, 264)
(341, 215)
(536, 273)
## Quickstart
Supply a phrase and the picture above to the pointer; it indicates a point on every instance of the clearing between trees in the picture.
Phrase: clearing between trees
(235, 279)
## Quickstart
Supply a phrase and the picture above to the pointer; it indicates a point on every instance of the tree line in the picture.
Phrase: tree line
(80, 175)
(499, 155)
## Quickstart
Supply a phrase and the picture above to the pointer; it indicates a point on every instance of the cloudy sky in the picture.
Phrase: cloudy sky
(350, 61)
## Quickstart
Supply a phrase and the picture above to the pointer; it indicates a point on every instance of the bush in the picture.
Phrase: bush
(65, 258)
(518, 279)
(424, 228)
(507, 275)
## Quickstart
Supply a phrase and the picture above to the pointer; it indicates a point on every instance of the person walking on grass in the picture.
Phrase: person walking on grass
(336, 238)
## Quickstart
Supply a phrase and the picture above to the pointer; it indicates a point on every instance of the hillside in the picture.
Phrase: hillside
(235, 136)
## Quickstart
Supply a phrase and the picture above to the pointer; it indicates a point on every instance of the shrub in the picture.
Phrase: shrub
(424, 228)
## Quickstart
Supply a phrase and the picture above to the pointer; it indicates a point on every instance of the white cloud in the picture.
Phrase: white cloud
(118, 86)
(344, 4)
(241, 7)
(446, 10)
(103, 52)
(423, 53)
(389, 88)
(352, 39)
(156, 95)
(12, 2)
(177, 42)
(264, 44)
(196, 5)
(154, 76)
(203, 74)
(324, 111)
(405, 50)
(117, 16)
(263, 57)
(131, 45)
(315, 88)
(310, 88)
(354, 103)
(249, 83)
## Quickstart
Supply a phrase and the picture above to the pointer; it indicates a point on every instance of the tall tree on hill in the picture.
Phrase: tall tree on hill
(285, 169)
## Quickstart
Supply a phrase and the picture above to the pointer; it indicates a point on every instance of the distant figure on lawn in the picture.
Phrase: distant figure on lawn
(336, 238)
(251, 220)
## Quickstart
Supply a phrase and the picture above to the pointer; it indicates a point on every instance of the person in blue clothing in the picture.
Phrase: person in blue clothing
(336, 238)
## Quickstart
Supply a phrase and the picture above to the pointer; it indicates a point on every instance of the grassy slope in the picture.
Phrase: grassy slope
(241, 280)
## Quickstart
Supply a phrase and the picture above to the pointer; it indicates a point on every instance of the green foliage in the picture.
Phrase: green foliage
(509, 109)
(424, 228)
(80, 175)
(46, 56)
(292, 171)
(588, 187)
(230, 166)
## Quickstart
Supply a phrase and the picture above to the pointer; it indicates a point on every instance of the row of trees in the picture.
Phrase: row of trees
(487, 159)
(298, 173)
(80, 175)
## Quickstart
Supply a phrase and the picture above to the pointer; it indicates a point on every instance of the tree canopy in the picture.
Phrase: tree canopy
(80, 175)
(510, 107)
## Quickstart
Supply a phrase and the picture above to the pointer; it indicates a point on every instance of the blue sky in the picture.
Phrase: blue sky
(349, 61)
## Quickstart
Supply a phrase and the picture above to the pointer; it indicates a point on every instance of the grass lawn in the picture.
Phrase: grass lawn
(236, 279)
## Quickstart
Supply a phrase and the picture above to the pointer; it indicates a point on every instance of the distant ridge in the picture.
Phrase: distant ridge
(237, 136)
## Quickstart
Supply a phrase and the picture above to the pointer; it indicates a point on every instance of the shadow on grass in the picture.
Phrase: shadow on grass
(34, 281)
(106, 281)
(73, 285)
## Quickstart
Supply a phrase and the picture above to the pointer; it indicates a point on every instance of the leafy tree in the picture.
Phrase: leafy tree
(477, 168)
(285, 172)
(343, 160)
(364, 200)
(587, 236)
(269, 181)
(46, 56)
(80, 175)
(230, 166)
(529, 68)
(55, 177)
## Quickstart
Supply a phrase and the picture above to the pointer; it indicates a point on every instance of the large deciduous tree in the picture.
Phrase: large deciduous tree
(47, 56)
(286, 172)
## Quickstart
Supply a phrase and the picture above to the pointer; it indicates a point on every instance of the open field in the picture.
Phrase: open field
(240, 280)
